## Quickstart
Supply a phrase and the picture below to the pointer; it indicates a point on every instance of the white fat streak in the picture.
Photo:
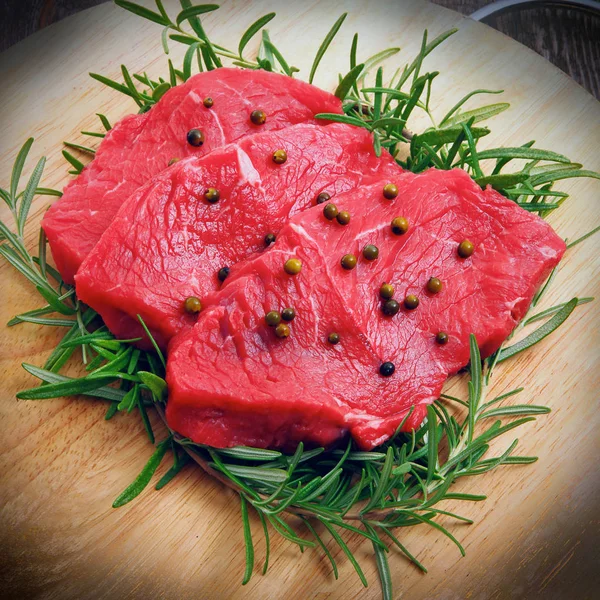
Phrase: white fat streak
(186, 237)
(212, 113)
(248, 174)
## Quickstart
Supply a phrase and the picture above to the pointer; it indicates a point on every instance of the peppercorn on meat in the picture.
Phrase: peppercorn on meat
(178, 236)
(208, 111)
(464, 261)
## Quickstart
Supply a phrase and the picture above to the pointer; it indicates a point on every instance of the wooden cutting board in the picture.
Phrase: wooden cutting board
(62, 465)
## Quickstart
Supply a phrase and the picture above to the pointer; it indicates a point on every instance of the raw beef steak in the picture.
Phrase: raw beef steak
(140, 146)
(233, 381)
(169, 242)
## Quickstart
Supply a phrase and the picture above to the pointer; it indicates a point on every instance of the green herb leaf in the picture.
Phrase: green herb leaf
(324, 45)
(526, 153)
(157, 385)
(160, 91)
(130, 399)
(383, 569)
(477, 114)
(111, 411)
(245, 453)
(112, 84)
(143, 479)
(562, 174)
(346, 551)
(85, 149)
(77, 165)
(104, 121)
(152, 341)
(65, 388)
(348, 82)
(143, 12)
(323, 547)
(253, 30)
(45, 321)
(43, 191)
(53, 300)
(382, 484)
(247, 541)
(584, 237)
(432, 444)
(516, 410)
(178, 465)
(187, 60)
(194, 11)
(258, 473)
(463, 100)
(29, 193)
(502, 181)
(539, 334)
(284, 65)
(18, 168)
(552, 310)
(342, 119)
(376, 59)
(144, 416)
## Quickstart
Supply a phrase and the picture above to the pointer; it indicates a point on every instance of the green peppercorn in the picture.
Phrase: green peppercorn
(333, 338)
(173, 161)
(282, 330)
(292, 266)
(348, 261)
(386, 291)
(269, 239)
(192, 305)
(390, 191)
(279, 157)
(330, 212)
(441, 338)
(212, 195)
(195, 137)
(223, 274)
(370, 252)
(258, 117)
(465, 249)
(208, 102)
(399, 226)
(387, 369)
(343, 217)
(288, 314)
(323, 197)
(273, 318)
(390, 308)
(411, 302)
(434, 285)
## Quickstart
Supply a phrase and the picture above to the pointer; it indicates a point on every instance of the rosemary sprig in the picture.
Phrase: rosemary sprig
(404, 482)
(368, 493)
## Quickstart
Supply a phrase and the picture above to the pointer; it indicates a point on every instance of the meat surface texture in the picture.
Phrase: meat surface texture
(168, 242)
(232, 381)
(140, 146)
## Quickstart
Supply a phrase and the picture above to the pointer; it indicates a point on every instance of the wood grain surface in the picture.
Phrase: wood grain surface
(567, 36)
(61, 464)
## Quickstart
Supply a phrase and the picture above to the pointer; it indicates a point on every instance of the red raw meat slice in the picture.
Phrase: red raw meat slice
(168, 242)
(140, 146)
(233, 382)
